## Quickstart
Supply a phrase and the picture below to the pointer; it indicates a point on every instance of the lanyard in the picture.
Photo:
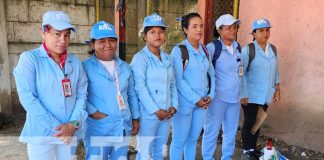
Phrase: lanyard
(120, 100)
(62, 56)
(116, 79)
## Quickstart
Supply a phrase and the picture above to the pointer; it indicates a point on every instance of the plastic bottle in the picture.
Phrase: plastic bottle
(269, 151)
(269, 144)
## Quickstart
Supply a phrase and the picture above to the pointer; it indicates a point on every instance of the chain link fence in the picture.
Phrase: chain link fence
(171, 9)
(136, 10)
(221, 7)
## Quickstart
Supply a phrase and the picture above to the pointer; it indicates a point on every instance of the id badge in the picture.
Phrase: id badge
(67, 90)
(120, 101)
(241, 71)
(185, 65)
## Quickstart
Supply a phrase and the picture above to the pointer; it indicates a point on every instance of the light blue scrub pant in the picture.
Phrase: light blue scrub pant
(51, 151)
(101, 144)
(220, 114)
(152, 139)
(186, 128)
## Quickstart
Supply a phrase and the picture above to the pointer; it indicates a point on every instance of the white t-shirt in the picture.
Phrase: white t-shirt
(267, 50)
(109, 65)
(230, 49)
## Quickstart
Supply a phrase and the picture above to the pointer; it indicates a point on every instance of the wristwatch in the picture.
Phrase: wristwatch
(76, 124)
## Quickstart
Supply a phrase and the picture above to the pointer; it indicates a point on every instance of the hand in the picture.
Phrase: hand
(65, 132)
(136, 127)
(207, 100)
(201, 103)
(170, 112)
(98, 115)
(244, 101)
(276, 97)
(161, 114)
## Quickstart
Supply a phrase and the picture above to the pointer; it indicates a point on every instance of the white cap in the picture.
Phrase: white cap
(226, 19)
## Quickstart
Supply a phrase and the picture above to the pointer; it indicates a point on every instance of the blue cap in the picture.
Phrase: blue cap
(59, 20)
(101, 30)
(154, 20)
(260, 23)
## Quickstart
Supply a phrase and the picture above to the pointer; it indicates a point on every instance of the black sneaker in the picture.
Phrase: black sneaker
(247, 156)
(257, 154)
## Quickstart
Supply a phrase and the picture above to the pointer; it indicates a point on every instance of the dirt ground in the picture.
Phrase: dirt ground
(11, 149)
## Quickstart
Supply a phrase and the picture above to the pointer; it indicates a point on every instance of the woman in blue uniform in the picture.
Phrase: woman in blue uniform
(225, 108)
(194, 89)
(260, 83)
(112, 101)
(155, 85)
(52, 88)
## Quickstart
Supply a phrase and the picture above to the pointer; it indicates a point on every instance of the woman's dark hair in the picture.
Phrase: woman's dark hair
(186, 19)
(254, 31)
(91, 50)
(148, 28)
(215, 32)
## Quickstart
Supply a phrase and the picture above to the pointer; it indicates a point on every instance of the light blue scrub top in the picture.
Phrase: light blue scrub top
(39, 85)
(155, 82)
(192, 83)
(228, 81)
(102, 92)
(259, 82)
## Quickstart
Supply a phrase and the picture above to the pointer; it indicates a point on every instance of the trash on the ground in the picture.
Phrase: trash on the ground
(281, 157)
(270, 153)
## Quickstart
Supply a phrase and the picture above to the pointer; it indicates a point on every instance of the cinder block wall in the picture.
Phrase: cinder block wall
(24, 29)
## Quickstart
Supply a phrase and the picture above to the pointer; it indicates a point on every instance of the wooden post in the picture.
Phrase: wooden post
(97, 10)
(120, 25)
(205, 11)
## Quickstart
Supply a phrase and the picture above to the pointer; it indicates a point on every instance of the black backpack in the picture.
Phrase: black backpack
(185, 59)
(252, 53)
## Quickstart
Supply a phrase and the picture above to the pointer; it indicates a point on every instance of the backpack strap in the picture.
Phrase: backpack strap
(205, 50)
(239, 47)
(208, 76)
(184, 55)
(251, 54)
(274, 49)
(217, 52)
